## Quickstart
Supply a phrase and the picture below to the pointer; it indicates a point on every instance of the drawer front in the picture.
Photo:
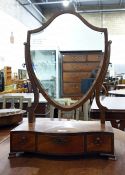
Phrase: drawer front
(80, 66)
(95, 57)
(74, 58)
(72, 88)
(99, 143)
(22, 141)
(75, 77)
(52, 144)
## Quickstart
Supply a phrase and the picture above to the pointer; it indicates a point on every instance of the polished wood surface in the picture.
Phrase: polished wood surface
(62, 126)
(62, 137)
(44, 165)
(5, 131)
(115, 111)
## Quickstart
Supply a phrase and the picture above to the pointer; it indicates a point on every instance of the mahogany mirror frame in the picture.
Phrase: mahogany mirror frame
(96, 86)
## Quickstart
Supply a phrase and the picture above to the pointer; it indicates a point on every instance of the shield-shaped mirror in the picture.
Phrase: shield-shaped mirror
(65, 58)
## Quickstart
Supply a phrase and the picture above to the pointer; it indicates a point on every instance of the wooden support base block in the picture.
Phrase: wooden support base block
(63, 137)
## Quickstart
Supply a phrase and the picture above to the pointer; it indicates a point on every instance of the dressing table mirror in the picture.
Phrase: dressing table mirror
(66, 59)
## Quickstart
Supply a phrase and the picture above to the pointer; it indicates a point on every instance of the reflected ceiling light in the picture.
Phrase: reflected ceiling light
(65, 3)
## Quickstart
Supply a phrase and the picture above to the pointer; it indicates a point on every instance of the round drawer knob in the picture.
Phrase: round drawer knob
(97, 141)
(23, 140)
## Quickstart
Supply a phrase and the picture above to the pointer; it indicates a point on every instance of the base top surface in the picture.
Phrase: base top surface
(47, 125)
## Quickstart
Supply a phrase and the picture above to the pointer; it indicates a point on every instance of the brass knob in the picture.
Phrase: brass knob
(23, 140)
(60, 140)
(97, 141)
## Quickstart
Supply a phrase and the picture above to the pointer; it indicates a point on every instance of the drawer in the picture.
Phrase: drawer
(95, 57)
(72, 88)
(100, 143)
(61, 144)
(80, 66)
(22, 141)
(74, 58)
(75, 76)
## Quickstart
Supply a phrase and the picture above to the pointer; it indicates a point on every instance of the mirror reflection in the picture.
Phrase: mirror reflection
(66, 56)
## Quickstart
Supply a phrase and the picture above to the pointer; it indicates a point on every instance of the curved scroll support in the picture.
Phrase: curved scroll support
(102, 108)
(105, 90)
(31, 109)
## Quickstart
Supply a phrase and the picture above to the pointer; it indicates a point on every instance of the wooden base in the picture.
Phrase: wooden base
(63, 137)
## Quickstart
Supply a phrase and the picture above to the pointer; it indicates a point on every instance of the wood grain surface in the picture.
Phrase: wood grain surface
(32, 164)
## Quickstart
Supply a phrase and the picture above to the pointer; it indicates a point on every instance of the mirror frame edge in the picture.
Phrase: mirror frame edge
(96, 84)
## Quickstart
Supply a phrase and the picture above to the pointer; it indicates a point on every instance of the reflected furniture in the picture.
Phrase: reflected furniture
(115, 113)
(77, 66)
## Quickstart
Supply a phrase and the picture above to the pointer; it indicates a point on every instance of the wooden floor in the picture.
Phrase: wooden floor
(32, 164)
(4, 132)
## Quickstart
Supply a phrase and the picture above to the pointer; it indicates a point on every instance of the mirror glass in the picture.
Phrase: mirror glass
(65, 57)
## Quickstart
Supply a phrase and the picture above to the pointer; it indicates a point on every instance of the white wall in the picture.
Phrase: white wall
(11, 54)
(14, 18)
